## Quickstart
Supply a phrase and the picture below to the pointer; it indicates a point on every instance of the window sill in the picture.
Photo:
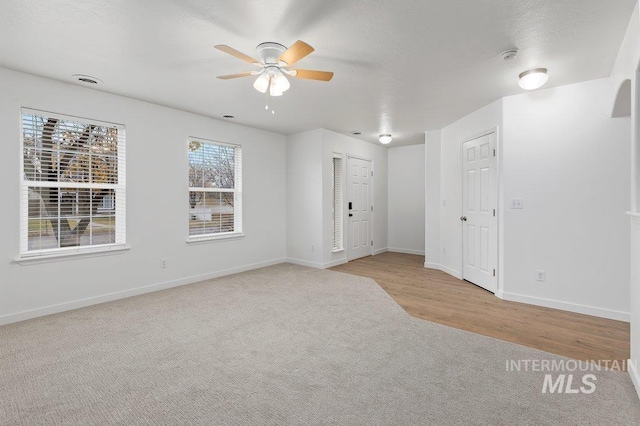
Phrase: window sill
(214, 238)
(80, 254)
(337, 250)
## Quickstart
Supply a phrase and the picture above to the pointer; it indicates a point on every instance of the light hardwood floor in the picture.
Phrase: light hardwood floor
(438, 297)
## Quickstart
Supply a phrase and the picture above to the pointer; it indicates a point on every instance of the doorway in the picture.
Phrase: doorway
(359, 207)
(479, 212)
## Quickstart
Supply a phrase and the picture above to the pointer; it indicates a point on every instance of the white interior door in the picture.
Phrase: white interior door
(479, 204)
(360, 208)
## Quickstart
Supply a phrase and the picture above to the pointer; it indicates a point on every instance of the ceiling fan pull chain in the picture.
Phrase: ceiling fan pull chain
(267, 93)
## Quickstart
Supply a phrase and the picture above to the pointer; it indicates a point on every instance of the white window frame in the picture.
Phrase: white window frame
(119, 188)
(337, 187)
(237, 197)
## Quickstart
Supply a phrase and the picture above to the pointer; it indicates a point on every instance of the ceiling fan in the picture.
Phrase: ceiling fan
(275, 60)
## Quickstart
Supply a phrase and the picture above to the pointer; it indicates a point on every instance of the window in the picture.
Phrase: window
(73, 185)
(337, 202)
(215, 189)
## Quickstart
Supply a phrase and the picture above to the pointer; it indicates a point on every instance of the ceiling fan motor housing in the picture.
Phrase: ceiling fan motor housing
(268, 52)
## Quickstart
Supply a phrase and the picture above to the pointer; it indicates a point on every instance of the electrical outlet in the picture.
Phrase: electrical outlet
(163, 263)
(540, 275)
(444, 251)
(313, 248)
(517, 203)
(444, 203)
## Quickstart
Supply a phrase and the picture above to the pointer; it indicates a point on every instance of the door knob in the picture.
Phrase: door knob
(463, 218)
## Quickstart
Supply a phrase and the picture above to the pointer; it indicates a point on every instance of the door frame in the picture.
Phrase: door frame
(346, 201)
(499, 207)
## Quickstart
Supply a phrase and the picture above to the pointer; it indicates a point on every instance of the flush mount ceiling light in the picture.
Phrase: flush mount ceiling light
(533, 79)
(385, 139)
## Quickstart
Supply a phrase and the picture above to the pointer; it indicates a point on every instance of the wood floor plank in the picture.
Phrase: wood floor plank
(438, 297)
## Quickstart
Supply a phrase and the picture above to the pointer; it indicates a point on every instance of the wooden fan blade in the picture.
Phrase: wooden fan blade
(314, 75)
(230, 76)
(299, 50)
(233, 52)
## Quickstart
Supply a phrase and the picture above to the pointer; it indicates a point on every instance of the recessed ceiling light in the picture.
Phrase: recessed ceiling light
(533, 79)
(355, 133)
(228, 117)
(87, 79)
(385, 139)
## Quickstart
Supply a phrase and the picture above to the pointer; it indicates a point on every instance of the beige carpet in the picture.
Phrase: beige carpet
(280, 345)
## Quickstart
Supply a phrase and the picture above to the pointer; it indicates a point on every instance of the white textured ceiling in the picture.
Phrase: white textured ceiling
(401, 66)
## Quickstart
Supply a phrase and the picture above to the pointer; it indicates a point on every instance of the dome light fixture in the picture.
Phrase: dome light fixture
(273, 79)
(533, 79)
(385, 139)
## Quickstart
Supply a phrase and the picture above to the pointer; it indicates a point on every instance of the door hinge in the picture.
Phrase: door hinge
(371, 208)
(494, 212)
(371, 243)
(371, 172)
(494, 272)
(494, 152)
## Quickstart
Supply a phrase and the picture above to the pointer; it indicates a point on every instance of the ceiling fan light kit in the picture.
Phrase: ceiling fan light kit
(533, 79)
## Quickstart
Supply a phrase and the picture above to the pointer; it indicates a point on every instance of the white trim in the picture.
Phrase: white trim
(634, 215)
(566, 306)
(56, 256)
(444, 269)
(81, 303)
(67, 117)
(635, 377)
(304, 263)
(209, 238)
(451, 271)
(379, 251)
(406, 251)
(334, 263)
(430, 265)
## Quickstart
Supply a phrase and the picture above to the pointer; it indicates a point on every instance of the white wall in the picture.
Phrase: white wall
(304, 198)
(433, 141)
(626, 68)
(406, 186)
(568, 160)
(560, 151)
(479, 122)
(157, 208)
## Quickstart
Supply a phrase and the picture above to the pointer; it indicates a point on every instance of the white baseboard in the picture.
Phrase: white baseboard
(566, 306)
(406, 251)
(304, 263)
(444, 269)
(380, 251)
(81, 303)
(334, 263)
(450, 271)
(633, 372)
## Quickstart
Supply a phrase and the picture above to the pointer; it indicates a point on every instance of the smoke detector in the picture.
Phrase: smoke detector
(509, 55)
